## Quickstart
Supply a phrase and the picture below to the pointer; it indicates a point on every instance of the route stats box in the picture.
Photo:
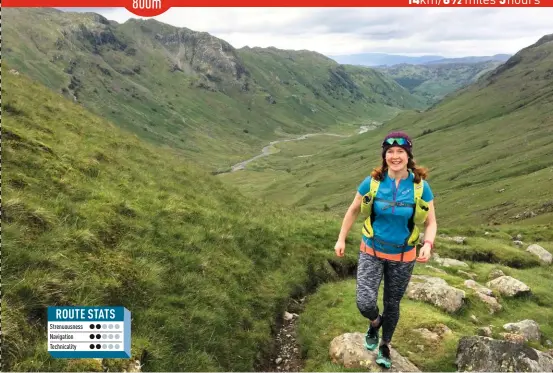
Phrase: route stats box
(89, 332)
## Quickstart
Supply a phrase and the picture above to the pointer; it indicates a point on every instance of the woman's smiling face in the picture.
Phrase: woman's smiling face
(396, 158)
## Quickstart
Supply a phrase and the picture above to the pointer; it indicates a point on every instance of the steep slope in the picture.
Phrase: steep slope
(306, 77)
(186, 89)
(434, 81)
(91, 215)
(488, 148)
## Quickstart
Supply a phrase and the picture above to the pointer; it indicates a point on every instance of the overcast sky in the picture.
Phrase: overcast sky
(335, 31)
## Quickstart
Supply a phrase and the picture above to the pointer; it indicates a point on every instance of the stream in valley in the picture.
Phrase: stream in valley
(267, 149)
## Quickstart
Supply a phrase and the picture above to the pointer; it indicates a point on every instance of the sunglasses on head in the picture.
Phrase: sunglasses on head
(398, 140)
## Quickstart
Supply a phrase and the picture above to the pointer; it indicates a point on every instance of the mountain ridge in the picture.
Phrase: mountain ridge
(190, 90)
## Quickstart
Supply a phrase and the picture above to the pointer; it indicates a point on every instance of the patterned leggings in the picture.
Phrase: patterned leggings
(396, 278)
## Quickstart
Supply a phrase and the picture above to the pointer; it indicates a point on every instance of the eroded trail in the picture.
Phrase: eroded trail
(286, 356)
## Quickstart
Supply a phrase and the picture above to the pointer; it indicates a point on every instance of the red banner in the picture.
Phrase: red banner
(150, 8)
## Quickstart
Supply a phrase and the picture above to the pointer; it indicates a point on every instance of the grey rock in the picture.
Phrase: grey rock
(544, 255)
(483, 354)
(529, 329)
(435, 291)
(348, 351)
(509, 286)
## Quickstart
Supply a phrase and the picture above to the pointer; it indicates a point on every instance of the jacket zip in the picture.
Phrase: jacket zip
(395, 192)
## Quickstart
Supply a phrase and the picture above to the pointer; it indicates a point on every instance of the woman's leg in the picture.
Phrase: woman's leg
(396, 279)
(369, 275)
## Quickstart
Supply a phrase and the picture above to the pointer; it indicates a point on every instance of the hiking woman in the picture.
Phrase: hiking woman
(390, 233)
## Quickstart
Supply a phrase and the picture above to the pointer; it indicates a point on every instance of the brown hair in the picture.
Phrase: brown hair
(419, 172)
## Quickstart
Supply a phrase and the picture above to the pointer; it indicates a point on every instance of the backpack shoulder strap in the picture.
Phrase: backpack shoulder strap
(374, 187)
(419, 187)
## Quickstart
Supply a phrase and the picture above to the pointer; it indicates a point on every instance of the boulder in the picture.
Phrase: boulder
(529, 329)
(484, 354)
(471, 284)
(495, 273)
(485, 331)
(449, 262)
(470, 275)
(436, 269)
(435, 333)
(436, 291)
(348, 351)
(512, 337)
(509, 286)
(493, 304)
(544, 255)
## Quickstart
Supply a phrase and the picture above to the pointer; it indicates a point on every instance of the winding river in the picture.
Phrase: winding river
(267, 149)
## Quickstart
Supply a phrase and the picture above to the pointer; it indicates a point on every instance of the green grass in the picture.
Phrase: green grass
(332, 311)
(94, 216)
(487, 149)
(200, 96)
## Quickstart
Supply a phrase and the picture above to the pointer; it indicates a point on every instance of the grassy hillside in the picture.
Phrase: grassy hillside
(435, 81)
(331, 311)
(189, 90)
(488, 149)
(94, 216)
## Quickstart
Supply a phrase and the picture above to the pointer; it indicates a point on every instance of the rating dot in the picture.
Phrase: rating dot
(117, 336)
(98, 326)
(116, 346)
(111, 336)
(110, 346)
(92, 347)
(104, 326)
(91, 326)
(104, 347)
(116, 326)
(104, 336)
(98, 346)
(111, 326)
(92, 336)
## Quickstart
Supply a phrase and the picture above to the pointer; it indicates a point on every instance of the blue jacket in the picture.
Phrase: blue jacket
(391, 222)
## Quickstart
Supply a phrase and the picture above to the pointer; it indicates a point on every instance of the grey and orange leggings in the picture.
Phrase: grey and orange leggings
(370, 272)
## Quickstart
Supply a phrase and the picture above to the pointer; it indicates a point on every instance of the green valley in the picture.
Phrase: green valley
(190, 91)
(482, 145)
(119, 141)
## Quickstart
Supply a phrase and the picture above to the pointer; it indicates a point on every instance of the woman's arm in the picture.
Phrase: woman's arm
(431, 226)
(429, 234)
(350, 217)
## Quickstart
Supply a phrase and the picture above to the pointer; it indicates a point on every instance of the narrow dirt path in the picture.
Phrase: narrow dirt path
(286, 356)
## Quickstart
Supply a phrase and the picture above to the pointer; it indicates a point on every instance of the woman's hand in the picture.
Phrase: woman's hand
(424, 253)
(340, 247)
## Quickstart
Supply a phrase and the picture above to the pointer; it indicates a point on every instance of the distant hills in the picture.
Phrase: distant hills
(436, 80)
(189, 90)
(385, 59)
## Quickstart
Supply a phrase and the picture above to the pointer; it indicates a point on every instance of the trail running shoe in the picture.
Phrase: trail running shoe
(371, 338)
(384, 357)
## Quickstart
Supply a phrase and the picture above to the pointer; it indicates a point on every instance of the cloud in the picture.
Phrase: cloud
(451, 32)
